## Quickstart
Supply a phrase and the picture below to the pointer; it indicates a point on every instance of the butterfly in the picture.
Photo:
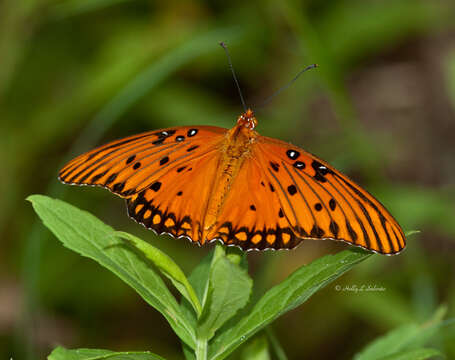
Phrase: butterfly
(208, 183)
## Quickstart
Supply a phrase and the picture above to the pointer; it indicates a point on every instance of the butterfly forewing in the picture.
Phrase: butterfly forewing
(130, 165)
(321, 203)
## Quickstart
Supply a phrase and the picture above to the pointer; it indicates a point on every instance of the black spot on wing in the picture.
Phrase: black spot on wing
(130, 159)
(292, 154)
(191, 132)
(316, 232)
(320, 171)
(164, 160)
(110, 179)
(274, 166)
(194, 147)
(292, 189)
(155, 186)
(159, 141)
(332, 204)
(351, 231)
(334, 228)
(118, 187)
(95, 178)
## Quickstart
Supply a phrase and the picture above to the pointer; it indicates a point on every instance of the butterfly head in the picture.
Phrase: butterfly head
(247, 119)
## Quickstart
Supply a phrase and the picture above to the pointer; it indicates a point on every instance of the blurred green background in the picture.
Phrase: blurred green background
(381, 107)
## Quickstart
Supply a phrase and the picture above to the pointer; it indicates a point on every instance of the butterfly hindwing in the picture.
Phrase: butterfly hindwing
(175, 203)
(321, 203)
(251, 216)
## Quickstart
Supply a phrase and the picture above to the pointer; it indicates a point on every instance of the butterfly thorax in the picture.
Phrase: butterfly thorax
(236, 148)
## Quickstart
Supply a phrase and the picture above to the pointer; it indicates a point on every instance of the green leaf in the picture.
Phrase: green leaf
(168, 268)
(61, 353)
(402, 338)
(228, 291)
(82, 232)
(292, 292)
(199, 278)
(418, 354)
(256, 349)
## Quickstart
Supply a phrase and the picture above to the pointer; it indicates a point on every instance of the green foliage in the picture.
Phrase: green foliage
(289, 294)
(404, 341)
(88, 236)
(61, 353)
(418, 354)
(167, 267)
(217, 289)
(256, 349)
(228, 290)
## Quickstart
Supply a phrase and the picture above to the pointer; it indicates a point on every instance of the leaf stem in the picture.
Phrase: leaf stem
(201, 349)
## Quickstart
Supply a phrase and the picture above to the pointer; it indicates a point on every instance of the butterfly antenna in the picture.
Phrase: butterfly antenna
(267, 100)
(223, 45)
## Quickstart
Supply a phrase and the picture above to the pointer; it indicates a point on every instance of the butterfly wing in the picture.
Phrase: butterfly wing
(251, 216)
(164, 175)
(130, 165)
(319, 202)
(281, 194)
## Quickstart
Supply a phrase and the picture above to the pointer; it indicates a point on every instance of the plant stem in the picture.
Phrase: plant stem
(201, 349)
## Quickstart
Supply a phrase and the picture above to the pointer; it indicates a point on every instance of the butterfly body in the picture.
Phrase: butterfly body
(208, 183)
(235, 149)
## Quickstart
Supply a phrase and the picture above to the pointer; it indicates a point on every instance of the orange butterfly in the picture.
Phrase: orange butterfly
(206, 183)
